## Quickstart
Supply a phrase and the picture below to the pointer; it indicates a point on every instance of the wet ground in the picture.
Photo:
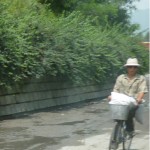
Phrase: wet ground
(82, 126)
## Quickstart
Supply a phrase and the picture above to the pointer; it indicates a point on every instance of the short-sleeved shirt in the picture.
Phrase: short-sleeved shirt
(130, 87)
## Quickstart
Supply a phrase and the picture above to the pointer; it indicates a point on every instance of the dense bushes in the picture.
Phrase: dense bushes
(34, 43)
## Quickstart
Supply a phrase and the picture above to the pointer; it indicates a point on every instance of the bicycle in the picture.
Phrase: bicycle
(119, 134)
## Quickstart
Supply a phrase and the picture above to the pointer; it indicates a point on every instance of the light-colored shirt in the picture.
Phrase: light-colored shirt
(130, 87)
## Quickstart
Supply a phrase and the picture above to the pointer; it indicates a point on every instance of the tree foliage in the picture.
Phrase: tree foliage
(34, 42)
(107, 12)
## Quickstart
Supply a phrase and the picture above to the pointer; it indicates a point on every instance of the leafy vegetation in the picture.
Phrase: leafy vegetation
(107, 12)
(35, 42)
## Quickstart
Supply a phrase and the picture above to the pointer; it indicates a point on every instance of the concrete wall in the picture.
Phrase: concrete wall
(44, 93)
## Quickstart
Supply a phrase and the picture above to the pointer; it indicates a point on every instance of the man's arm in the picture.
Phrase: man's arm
(140, 97)
(142, 90)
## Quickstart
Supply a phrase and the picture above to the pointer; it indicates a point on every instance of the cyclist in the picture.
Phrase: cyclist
(133, 85)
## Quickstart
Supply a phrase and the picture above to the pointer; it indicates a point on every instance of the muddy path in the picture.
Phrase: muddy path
(82, 126)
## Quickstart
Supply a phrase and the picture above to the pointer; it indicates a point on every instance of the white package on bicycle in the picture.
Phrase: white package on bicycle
(121, 99)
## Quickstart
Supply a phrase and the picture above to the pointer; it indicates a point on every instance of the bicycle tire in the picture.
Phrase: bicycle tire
(115, 136)
(127, 141)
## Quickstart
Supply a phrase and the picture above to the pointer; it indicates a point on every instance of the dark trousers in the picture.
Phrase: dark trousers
(130, 121)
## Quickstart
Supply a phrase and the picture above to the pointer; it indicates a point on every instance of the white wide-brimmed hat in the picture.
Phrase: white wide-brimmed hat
(132, 62)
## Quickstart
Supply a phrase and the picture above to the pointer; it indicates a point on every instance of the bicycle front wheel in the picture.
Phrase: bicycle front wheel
(127, 141)
(115, 137)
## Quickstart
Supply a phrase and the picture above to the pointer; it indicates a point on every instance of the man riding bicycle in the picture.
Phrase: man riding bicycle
(133, 85)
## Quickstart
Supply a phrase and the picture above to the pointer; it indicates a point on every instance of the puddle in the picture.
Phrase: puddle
(97, 111)
(38, 142)
(64, 123)
(9, 135)
(14, 129)
(71, 123)
(2, 140)
(83, 132)
(12, 133)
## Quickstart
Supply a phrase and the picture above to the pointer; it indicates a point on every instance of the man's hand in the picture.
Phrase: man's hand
(140, 97)
(139, 101)
(109, 97)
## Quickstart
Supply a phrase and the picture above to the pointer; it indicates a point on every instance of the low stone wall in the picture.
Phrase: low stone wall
(44, 93)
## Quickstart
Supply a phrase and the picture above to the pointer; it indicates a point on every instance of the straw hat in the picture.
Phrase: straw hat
(132, 62)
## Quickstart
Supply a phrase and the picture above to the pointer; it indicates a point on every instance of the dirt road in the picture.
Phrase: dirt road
(84, 126)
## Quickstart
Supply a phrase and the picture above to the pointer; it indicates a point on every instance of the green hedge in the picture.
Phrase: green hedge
(34, 43)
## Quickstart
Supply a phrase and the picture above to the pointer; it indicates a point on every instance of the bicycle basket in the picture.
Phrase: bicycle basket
(119, 112)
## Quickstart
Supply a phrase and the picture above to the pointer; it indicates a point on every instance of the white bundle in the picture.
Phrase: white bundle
(121, 99)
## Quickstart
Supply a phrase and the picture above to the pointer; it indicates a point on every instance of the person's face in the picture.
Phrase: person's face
(132, 70)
